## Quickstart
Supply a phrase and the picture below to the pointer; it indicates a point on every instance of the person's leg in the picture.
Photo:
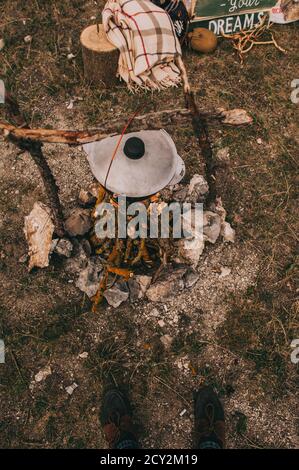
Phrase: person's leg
(209, 420)
(116, 420)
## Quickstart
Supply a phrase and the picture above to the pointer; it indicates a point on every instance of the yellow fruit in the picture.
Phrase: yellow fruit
(203, 40)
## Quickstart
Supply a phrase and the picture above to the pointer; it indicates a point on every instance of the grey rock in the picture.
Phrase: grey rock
(191, 277)
(86, 247)
(138, 286)
(78, 223)
(211, 226)
(144, 282)
(64, 248)
(88, 197)
(135, 293)
(167, 286)
(167, 341)
(53, 244)
(236, 117)
(180, 195)
(197, 189)
(154, 312)
(190, 251)
(228, 233)
(79, 258)
(89, 278)
(117, 294)
(191, 247)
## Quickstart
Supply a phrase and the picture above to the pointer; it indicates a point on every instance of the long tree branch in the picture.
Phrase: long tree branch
(156, 120)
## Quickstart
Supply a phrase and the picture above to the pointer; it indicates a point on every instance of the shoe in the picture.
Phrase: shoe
(116, 420)
(209, 420)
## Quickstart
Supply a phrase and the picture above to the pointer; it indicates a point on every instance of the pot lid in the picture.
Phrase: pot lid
(145, 162)
(179, 172)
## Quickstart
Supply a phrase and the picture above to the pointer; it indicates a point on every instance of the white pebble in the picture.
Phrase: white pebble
(83, 355)
(43, 374)
(225, 272)
(70, 390)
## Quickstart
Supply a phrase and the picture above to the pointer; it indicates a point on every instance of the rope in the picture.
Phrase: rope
(118, 144)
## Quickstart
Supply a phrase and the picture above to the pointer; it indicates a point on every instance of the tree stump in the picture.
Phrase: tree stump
(100, 57)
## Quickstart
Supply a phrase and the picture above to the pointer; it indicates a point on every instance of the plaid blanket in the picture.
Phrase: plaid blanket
(145, 37)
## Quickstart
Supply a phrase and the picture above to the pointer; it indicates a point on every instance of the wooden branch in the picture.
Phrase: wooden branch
(200, 128)
(51, 136)
(156, 120)
(151, 120)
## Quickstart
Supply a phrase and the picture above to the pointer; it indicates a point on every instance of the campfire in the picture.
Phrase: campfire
(131, 254)
(118, 269)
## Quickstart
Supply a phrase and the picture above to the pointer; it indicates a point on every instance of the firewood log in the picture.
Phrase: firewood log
(100, 57)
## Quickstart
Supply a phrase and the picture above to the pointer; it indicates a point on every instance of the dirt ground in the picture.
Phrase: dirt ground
(232, 332)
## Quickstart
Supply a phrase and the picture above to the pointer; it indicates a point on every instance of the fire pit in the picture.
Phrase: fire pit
(94, 258)
(133, 169)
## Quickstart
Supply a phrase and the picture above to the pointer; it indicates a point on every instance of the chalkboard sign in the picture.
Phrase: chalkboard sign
(229, 16)
(208, 8)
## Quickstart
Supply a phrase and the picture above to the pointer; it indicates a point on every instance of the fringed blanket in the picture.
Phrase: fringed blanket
(146, 39)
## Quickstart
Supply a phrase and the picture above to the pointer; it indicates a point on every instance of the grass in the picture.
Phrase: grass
(260, 328)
